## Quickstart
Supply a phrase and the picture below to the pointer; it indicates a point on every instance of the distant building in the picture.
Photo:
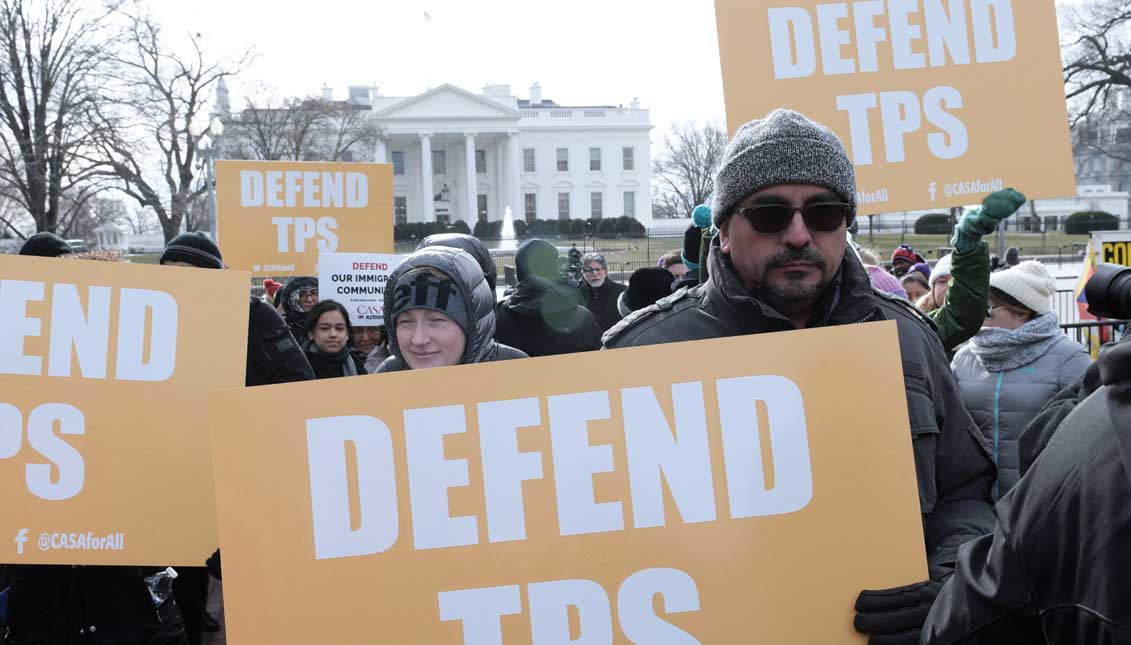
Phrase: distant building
(458, 155)
(1102, 144)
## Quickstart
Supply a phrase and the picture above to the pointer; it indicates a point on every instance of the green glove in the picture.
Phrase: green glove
(983, 221)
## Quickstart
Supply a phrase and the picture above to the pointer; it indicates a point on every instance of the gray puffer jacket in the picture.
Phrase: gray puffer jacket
(952, 460)
(478, 300)
(1003, 403)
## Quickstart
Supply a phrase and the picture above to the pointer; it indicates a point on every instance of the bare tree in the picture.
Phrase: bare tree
(1098, 58)
(684, 171)
(268, 131)
(348, 132)
(301, 130)
(55, 55)
(150, 141)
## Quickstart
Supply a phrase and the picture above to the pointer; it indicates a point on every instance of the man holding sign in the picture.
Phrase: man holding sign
(784, 196)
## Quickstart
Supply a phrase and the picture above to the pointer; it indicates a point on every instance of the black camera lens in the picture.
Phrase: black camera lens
(1109, 292)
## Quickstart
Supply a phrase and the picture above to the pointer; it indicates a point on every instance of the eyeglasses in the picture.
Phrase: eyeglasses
(990, 309)
(822, 217)
(591, 270)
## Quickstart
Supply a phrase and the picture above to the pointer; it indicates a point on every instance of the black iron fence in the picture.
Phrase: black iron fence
(1095, 333)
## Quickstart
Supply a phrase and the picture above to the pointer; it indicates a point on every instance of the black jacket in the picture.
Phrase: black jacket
(273, 355)
(952, 461)
(543, 318)
(348, 362)
(63, 605)
(602, 302)
(478, 299)
(1057, 566)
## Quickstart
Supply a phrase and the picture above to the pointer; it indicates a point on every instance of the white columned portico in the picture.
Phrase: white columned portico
(381, 153)
(471, 190)
(514, 186)
(500, 181)
(427, 206)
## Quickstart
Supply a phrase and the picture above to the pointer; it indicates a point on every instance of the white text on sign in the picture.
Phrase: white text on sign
(78, 335)
(654, 453)
(804, 43)
(307, 190)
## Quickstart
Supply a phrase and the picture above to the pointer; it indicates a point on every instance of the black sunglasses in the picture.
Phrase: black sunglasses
(822, 217)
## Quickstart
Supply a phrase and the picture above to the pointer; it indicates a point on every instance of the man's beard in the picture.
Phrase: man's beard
(794, 292)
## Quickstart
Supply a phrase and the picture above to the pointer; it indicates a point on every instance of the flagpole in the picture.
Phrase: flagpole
(428, 50)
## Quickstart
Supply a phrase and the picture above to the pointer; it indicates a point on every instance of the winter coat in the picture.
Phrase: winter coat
(376, 357)
(952, 460)
(470, 245)
(1003, 403)
(295, 317)
(543, 318)
(1056, 567)
(964, 311)
(478, 299)
(347, 362)
(64, 605)
(273, 355)
(602, 302)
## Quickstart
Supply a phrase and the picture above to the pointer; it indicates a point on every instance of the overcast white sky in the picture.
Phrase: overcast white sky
(581, 51)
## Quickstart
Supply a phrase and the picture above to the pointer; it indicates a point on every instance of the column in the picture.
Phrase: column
(472, 189)
(380, 154)
(427, 205)
(514, 179)
(500, 181)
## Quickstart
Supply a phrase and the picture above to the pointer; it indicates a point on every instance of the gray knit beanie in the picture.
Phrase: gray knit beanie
(783, 148)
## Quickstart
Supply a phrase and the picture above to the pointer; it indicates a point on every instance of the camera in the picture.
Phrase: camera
(1109, 292)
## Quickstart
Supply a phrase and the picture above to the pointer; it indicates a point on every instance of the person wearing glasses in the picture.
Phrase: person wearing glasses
(1018, 362)
(297, 298)
(599, 293)
(785, 195)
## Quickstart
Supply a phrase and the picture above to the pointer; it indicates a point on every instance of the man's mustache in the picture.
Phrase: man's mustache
(790, 256)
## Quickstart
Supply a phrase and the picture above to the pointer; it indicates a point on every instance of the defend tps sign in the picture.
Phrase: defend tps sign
(358, 281)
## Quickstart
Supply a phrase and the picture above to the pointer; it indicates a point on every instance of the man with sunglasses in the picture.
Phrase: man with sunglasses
(784, 197)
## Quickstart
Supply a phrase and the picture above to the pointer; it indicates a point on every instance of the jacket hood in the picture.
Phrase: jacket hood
(469, 281)
(293, 314)
(470, 245)
(850, 298)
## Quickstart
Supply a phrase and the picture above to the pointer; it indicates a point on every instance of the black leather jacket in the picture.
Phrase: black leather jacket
(1057, 566)
(953, 464)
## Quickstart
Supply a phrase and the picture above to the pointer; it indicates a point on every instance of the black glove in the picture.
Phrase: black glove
(213, 564)
(895, 616)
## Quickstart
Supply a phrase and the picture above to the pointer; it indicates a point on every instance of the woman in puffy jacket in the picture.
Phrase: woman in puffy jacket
(440, 312)
(1017, 362)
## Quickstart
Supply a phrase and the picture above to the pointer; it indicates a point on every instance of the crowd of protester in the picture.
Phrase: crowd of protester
(1025, 507)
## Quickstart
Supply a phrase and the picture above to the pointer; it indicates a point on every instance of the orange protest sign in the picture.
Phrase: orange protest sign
(275, 217)
(938, 103)
(525, 501)
(104, 369)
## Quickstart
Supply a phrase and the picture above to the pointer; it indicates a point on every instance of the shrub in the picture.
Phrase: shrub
(1085, 222)
(636, 229)
(480, 230)
(608, 227)
(519, 228)
(461, 227)
(933, 224)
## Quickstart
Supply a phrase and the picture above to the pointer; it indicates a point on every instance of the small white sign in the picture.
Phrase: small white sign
(358, 281)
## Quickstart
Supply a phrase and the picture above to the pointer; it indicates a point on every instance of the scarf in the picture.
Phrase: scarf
(1002, 350)
(327, 365)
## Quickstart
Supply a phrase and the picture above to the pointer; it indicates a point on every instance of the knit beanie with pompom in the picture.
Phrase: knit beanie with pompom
(1028, 283)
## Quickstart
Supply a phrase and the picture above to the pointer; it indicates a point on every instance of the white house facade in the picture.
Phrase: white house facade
(457, 155)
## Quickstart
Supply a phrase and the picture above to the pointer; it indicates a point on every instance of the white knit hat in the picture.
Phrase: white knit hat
(942, 270)
(1028, 283)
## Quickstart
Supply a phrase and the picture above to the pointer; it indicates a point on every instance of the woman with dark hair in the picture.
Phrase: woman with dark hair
(1017, 362)
(328, 348)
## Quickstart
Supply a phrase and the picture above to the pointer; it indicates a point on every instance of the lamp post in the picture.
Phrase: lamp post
(208, 147)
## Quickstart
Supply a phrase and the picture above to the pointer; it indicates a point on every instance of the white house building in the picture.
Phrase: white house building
(458, 155)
